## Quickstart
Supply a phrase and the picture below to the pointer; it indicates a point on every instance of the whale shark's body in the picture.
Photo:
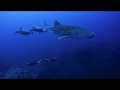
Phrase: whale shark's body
(69, 31)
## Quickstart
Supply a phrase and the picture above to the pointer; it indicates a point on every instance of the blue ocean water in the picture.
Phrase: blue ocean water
(94, 58)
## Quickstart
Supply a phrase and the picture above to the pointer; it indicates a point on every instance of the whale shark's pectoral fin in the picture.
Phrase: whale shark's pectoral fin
(63, 37)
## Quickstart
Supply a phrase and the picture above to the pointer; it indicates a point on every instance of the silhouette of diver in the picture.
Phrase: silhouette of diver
(42, 61)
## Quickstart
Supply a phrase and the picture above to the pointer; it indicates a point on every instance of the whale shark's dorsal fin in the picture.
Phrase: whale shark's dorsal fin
(56, 23)
(20, 28)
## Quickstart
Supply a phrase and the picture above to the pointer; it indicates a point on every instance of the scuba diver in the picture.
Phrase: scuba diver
(23, 32)
(42, 61)
(37, 29)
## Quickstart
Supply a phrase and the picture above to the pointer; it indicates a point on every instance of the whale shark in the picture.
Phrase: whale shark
(69, 31)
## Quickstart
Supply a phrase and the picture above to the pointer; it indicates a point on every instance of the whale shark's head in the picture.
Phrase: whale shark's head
(82, 33)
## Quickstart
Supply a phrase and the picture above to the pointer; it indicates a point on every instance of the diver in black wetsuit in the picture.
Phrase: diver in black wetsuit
(42, 61)
(31, 64)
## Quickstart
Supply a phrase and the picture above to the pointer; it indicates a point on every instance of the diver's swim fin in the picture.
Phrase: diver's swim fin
(31, 64)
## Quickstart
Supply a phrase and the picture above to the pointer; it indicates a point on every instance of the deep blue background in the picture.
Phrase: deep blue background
(98, 57)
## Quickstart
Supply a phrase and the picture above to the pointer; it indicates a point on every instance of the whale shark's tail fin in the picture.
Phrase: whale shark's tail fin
(45, 23)
(45, 26)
